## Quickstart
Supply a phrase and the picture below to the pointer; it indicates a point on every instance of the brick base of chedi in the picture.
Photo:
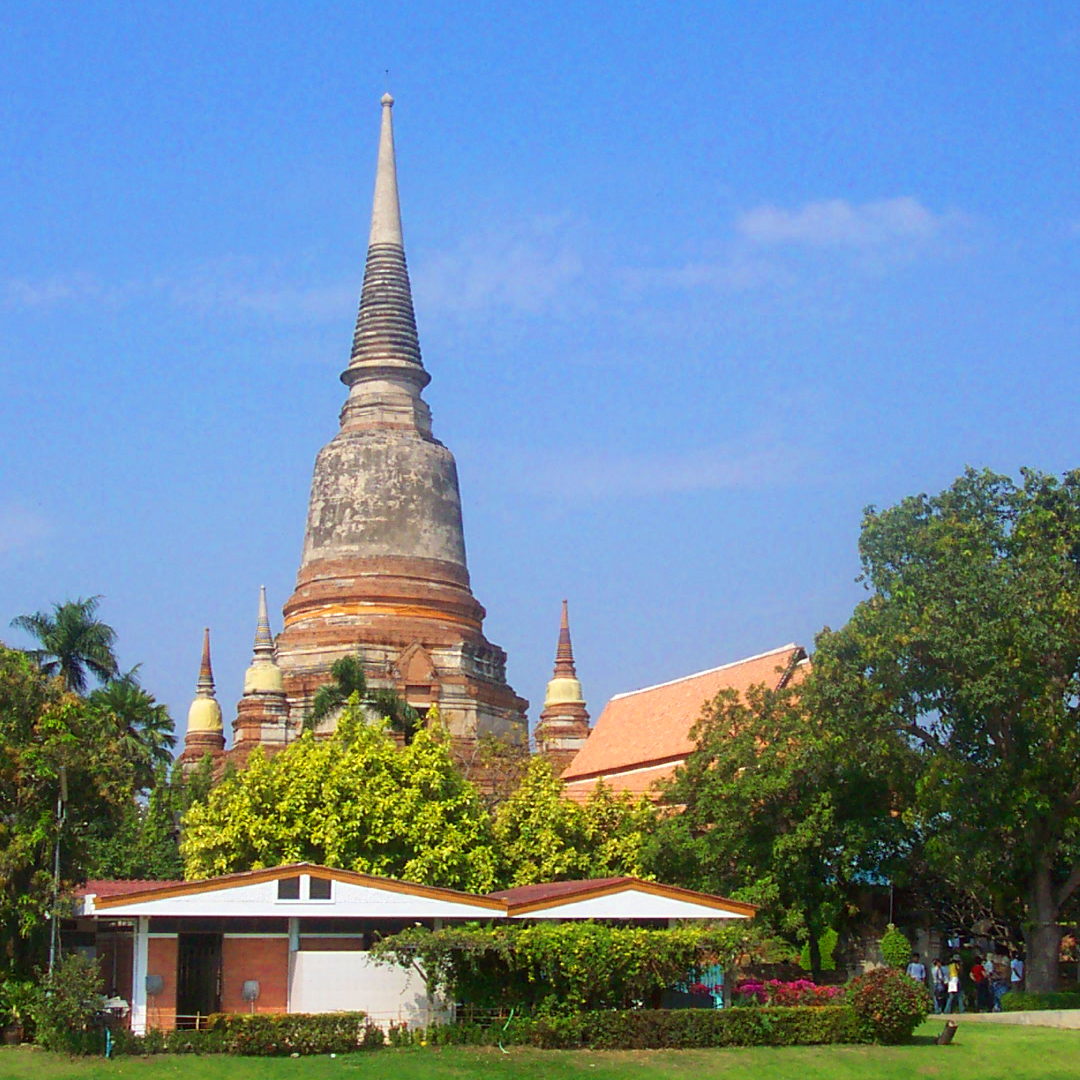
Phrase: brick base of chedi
(383, 571)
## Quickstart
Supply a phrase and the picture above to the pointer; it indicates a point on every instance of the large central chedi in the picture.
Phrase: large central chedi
(383, 572)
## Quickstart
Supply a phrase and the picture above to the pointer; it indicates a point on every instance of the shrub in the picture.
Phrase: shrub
(562, 966)
(888, 1004)
(18, 1000)
(169, 1042)
(264, 1034)
(1022, 1000)
(777, 992)
(895, 948)
(656, 1029)
(67, 1008)
(827, 948)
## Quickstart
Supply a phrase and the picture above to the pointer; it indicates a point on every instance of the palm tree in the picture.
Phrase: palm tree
(74, 642)
(145, 725)
(348, 679)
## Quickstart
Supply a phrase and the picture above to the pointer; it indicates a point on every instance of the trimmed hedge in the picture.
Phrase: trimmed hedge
(626, 1029)
(263, 1035)
(168, 1042)
(679, 1029)
(650, 1029)
(1022, 1000)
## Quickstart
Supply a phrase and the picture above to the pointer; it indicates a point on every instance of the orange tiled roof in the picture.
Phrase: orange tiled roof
(642, 735)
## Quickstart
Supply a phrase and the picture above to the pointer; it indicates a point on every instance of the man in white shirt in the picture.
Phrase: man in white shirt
(1016, 972)
(916, 970)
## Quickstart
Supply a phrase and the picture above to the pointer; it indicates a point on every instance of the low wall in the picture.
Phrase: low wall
(1055, 1018)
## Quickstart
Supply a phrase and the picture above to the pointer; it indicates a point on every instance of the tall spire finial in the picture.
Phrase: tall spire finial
(385, 209)
(264, 640)
(385, 373)
(564, 654)
(205, 686)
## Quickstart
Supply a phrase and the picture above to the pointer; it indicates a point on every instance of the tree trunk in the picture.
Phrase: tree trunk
(1042, 935)
(813, 942)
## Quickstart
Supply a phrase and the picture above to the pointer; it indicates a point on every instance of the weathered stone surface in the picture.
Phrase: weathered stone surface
(384, 493)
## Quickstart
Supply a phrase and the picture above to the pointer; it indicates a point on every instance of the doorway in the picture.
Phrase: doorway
(198, 978)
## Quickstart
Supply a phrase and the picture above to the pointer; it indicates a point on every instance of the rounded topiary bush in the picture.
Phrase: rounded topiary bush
(888, 1004)
(895, 948)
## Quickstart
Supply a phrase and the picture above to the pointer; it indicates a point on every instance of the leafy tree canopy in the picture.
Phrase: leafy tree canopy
(347, 678)
(146, 727)
(43, 729)
(968, 647)
(778, 809)
(354, 800)
(73, 642)
(542, 836)
(145, 842)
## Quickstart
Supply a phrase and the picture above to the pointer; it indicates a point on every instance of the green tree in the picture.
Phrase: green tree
(968, 647)
(74, 643)
(778, 808)
(145, 843)
(354, 800)
(44, 729)
(542, 836)
(146, 725)
(348, 678)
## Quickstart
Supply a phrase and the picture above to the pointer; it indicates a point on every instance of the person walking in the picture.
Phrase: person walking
(939, 982)
(1016, 972)
(999, 982)
(916, 969)
(953, 995)
(979, 976)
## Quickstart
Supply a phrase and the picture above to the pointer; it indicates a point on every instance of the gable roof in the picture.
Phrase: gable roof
(121, 893)
(648, 729)
(106, 887)
(556, 897)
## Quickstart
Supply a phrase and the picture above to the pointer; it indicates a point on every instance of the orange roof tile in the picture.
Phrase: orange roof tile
(640, 732)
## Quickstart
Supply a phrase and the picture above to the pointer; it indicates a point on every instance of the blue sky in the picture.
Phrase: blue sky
(695, 283)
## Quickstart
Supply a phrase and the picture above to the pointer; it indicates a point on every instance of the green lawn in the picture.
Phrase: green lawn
(979, 1052)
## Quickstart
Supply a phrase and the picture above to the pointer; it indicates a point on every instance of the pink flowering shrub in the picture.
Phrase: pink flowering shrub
(775, 992)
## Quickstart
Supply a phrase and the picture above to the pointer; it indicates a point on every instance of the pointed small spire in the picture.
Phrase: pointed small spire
(386, 210)
(205, 686)
(264, 640)
(564, 654)
(204, 732)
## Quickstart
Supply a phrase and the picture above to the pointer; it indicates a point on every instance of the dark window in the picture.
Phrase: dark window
(319, 888)
(288, 888)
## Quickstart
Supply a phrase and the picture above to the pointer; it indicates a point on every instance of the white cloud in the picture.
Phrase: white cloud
(20, 528)
(523, 269)
(839, 223)
(763, 463)
(48, 292)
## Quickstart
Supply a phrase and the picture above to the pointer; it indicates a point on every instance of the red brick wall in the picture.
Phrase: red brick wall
(264, 959)
(161, 960)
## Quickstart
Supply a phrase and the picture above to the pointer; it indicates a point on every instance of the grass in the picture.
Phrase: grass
(979, 1052)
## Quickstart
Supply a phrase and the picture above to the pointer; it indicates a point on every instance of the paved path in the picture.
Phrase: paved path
(1055, 1018)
